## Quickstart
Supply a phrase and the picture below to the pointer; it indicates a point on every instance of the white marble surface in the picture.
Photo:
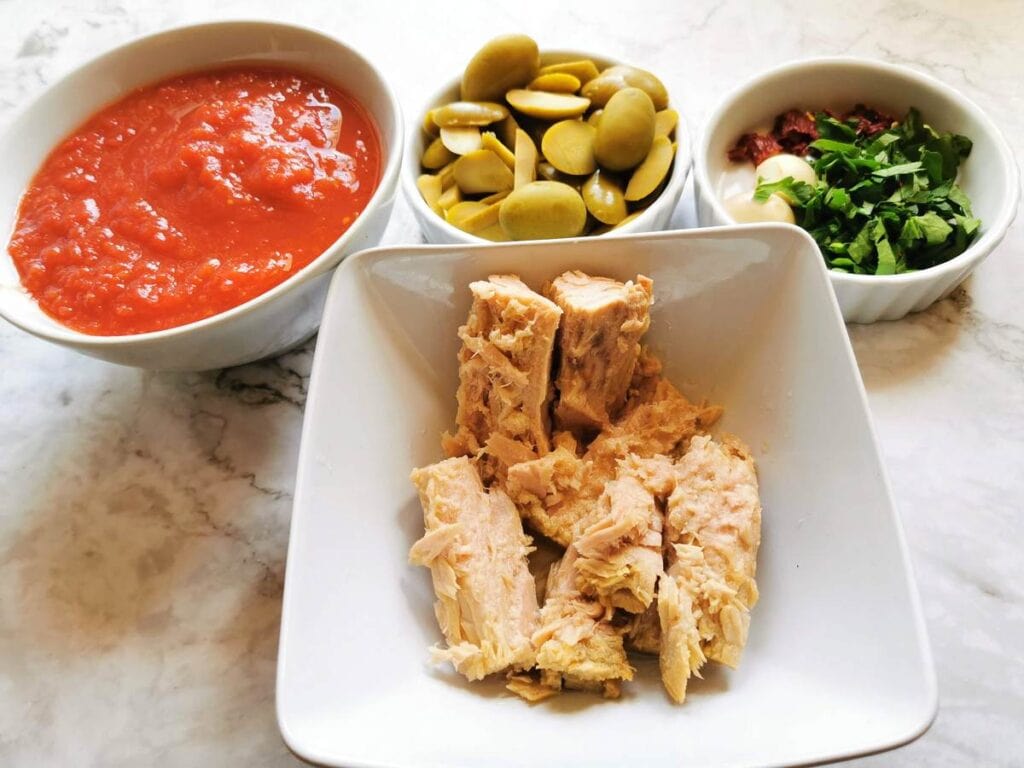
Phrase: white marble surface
(144, 517)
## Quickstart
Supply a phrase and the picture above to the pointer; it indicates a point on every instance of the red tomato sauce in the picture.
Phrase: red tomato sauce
(192, 196)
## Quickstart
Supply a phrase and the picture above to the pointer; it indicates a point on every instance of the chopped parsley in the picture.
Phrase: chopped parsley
(883, 204)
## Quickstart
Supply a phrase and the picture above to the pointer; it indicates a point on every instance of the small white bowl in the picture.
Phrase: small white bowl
(268, 324)
(436, 230)
(989, 176)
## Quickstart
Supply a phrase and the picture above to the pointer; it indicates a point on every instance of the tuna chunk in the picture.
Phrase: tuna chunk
(576, 647)
(476, 551)
(599, 342)
(556, 492)
(505, 384)
(712, 533)
(619, 546)
(644, 631)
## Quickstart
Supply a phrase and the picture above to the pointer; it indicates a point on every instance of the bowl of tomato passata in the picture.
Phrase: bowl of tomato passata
(181, 201)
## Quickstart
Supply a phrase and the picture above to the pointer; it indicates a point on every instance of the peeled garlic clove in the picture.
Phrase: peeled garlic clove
(744, 209)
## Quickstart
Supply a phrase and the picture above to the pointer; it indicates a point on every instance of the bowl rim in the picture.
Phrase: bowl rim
(995, 230)
(681, 163)
(321, 264)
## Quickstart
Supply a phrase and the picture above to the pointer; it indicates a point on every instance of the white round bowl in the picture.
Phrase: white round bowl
(268, 324)
(436, 230)
(989, 176)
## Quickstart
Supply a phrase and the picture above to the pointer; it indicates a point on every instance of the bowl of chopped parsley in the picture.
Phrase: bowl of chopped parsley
(905, 185)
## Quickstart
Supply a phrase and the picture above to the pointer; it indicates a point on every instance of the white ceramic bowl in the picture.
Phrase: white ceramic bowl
(270, 323)
(837, 663)
(437, 230)
(989, 176)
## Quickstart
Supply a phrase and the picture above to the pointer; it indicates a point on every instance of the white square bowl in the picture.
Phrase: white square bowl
(838, 661)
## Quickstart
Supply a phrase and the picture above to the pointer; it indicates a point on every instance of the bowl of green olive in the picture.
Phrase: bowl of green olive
(532, 145)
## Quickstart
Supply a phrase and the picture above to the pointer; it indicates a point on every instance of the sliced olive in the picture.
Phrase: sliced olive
(626, 130)
(628, 219)
(494, 233)
(603, 198)
(506, 62)
(482, 172)
(614, 79)
(460, 113)
(652, 171)
(462, 140)
(583, 70)
(430, 187)
(429, 126)
(497, 197)
(459, 212)
(555, 82)
(526, 159)
(447, 175)
(569, 146)
(450, 197)
(542, 210)
(489, 141)
(481, 219)
(506, 131)
(437, 155)
(548, 172)
(549, 106)
(665, 122)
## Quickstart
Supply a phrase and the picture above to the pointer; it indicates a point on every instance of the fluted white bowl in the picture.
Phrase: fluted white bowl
(989, 176)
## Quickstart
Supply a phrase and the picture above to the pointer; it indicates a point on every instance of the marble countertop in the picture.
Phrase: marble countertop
(144, 516)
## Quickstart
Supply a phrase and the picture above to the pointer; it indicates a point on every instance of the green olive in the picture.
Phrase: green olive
(525, 169)
(628, 219)
(542, 210)
(430, 187)
(506, 62)
(652, 171)
(489, 141)
(626, 130)
(548, 106)
(569, 146)
(604, 199)
(482, 172)
(436, 155)
(555, 82)
(665, 122)
(614, 79)
(460, 113)
(595, 117)
(583, 70)
(461, 140)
